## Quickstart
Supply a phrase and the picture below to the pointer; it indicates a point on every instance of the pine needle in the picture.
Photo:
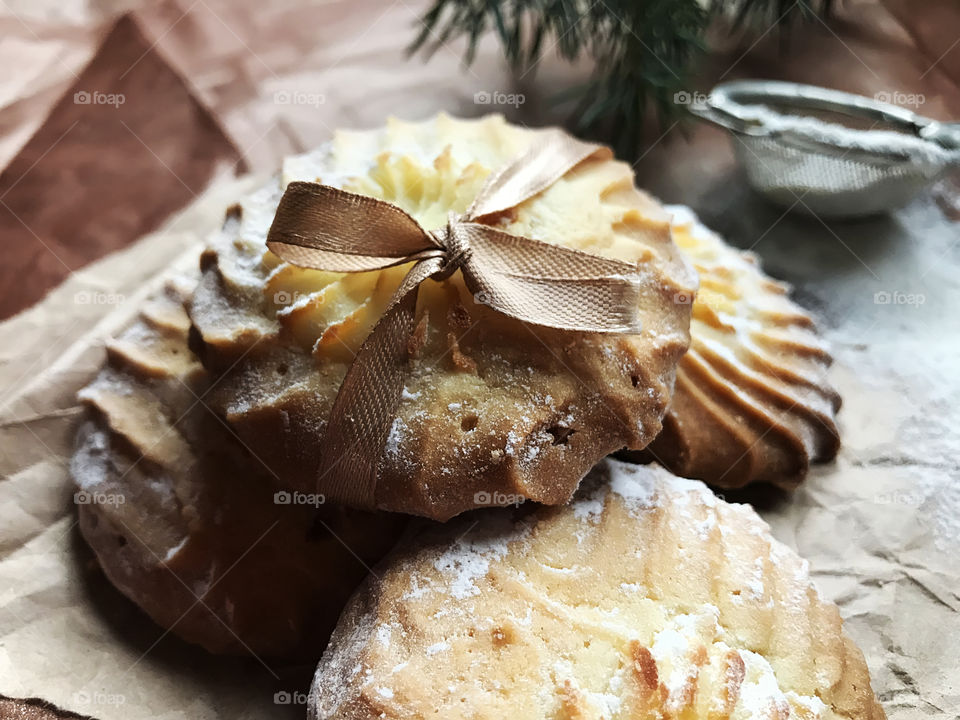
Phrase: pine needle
(643, 51)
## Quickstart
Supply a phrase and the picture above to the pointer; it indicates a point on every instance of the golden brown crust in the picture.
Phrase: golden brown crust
(185, 522)
(491, 406)
(646, 597)
(752, 402)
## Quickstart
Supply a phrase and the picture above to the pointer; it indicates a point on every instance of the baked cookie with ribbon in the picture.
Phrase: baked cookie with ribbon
(646, 597)
(186, 523)
(438, 315)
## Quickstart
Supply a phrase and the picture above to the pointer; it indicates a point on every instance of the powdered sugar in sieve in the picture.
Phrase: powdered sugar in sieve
(828, 152)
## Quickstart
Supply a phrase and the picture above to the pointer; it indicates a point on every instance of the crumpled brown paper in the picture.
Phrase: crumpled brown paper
(881, 526)
(64, 201)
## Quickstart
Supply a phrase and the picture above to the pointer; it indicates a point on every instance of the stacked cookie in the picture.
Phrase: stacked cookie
(637, 595)
(491, 405)
(646, 597)
(188, 524)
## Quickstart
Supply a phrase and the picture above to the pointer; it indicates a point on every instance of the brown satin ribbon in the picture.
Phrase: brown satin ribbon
(325, 228)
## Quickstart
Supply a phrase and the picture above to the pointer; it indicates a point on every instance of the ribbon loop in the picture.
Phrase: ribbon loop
(325, 228)
(322, 227)
(533, 172)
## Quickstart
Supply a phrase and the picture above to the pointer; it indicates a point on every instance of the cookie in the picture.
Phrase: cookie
(492, 406)
(752, 402)
(185, 521)
(646, 597)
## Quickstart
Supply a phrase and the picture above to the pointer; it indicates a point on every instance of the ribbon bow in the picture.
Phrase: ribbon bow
(325, 228)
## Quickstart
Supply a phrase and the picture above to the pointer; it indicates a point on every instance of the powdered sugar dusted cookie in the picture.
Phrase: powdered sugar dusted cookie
(186, 523)
(752, 401)
(646, 597)
(491, 405)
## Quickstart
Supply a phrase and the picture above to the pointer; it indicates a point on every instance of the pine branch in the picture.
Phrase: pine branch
(643, 51)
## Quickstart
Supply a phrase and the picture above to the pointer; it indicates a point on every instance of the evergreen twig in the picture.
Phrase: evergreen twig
(643, 51)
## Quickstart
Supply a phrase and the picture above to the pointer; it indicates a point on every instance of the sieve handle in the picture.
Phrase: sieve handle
(720, 113)
(947, 135)
(725, 107)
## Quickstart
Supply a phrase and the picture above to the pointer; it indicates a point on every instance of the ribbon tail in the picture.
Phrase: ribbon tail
(366, 404)
(593, 305)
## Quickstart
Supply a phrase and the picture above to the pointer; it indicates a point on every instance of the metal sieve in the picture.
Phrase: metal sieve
(828, 152)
